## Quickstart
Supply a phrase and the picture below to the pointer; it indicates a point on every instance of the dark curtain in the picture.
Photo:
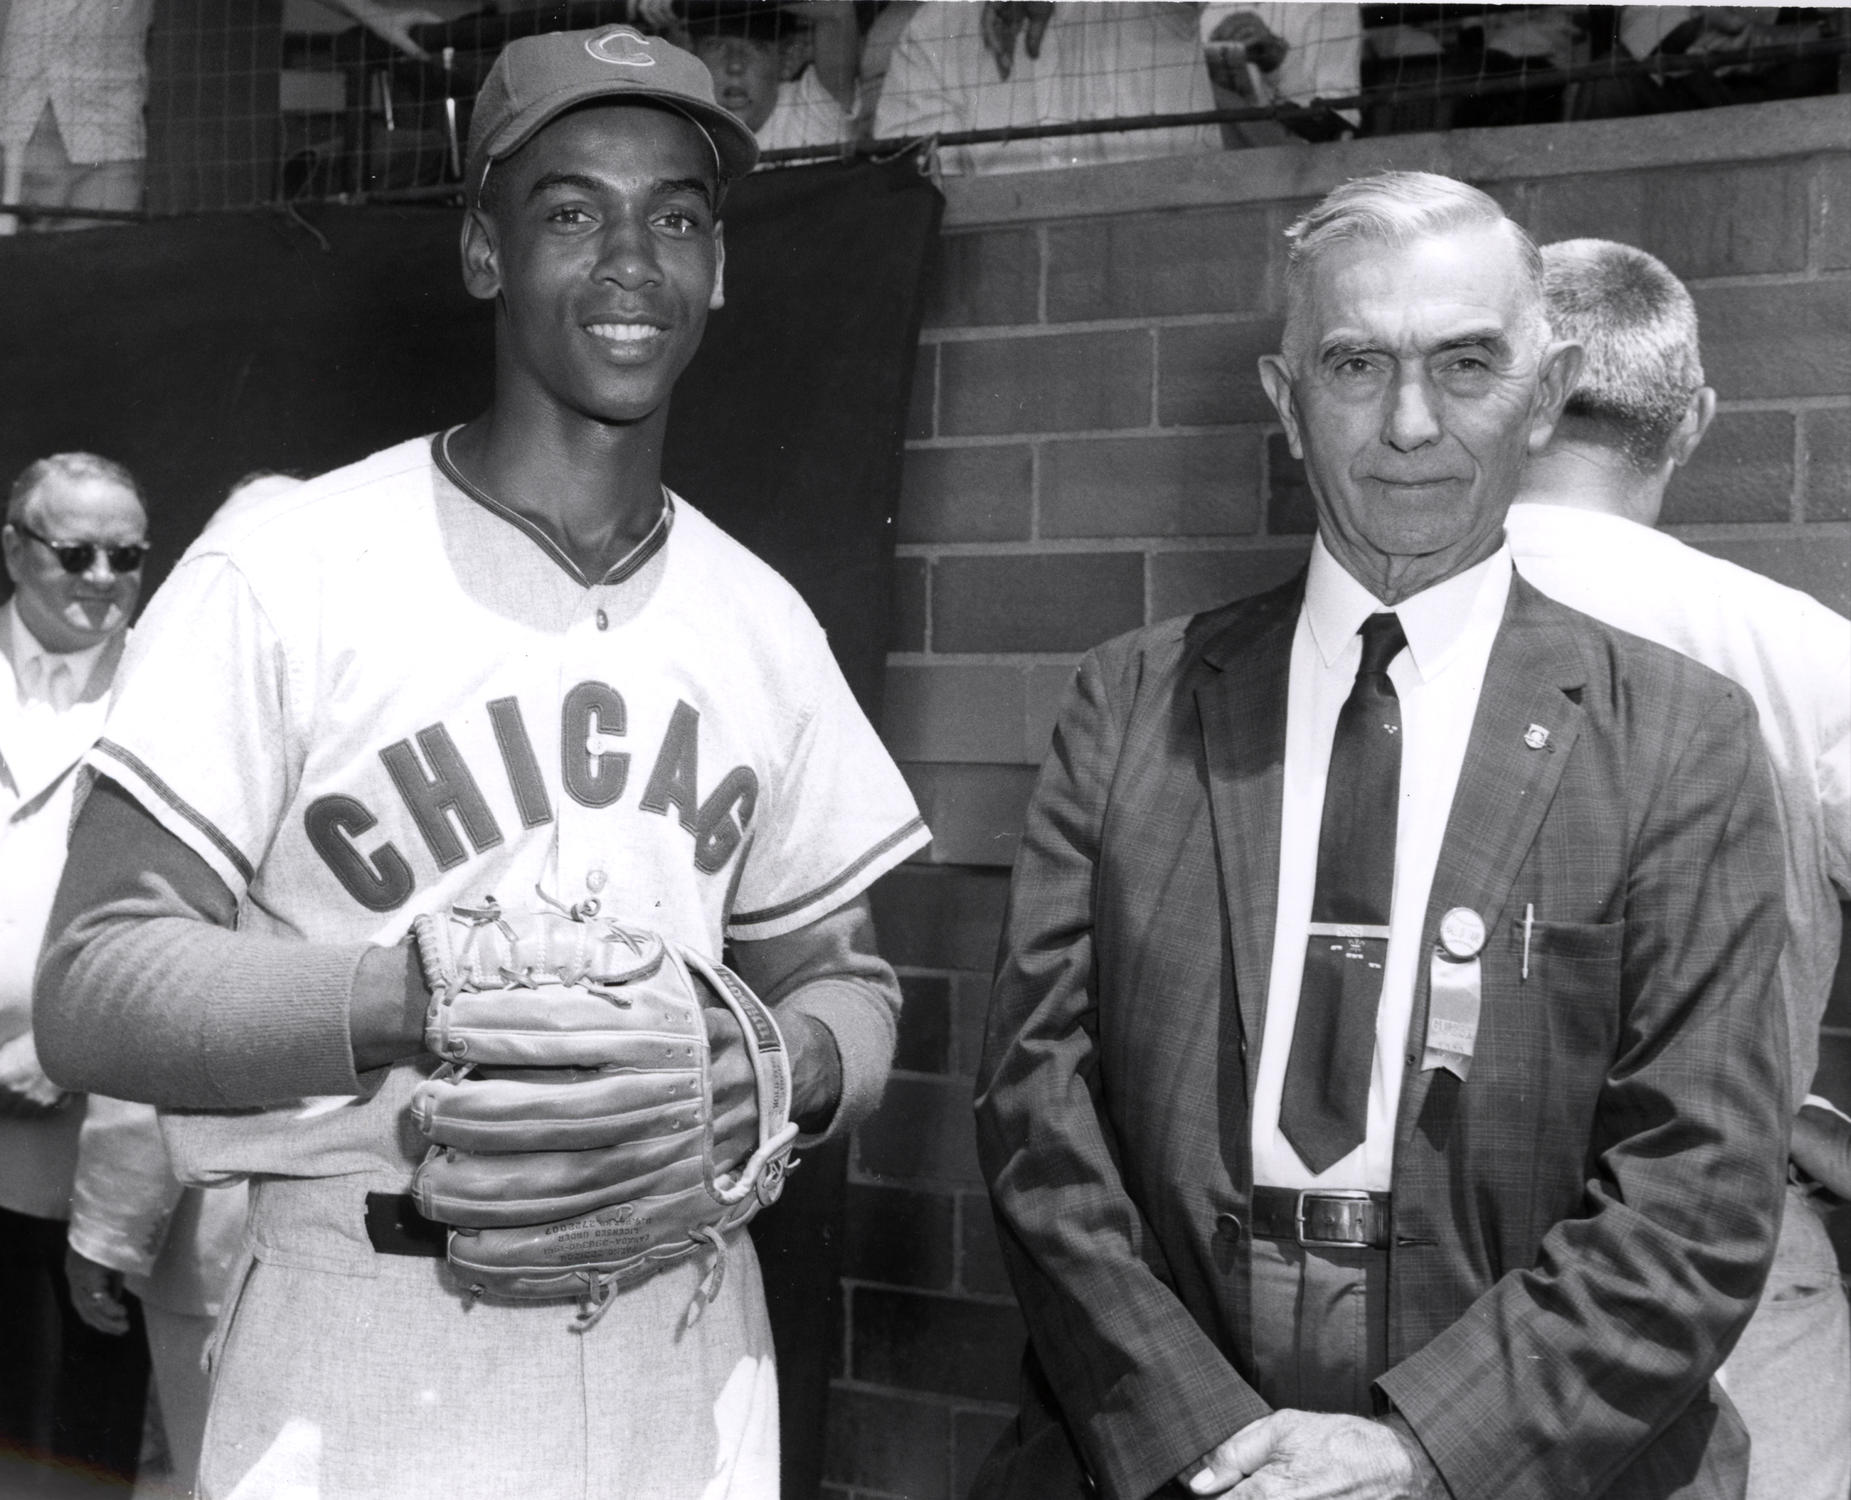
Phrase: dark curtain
(197, 350)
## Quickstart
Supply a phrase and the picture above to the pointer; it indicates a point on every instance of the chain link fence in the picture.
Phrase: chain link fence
(119, 109)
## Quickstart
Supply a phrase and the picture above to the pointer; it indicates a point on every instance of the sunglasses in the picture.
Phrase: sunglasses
(79, 557)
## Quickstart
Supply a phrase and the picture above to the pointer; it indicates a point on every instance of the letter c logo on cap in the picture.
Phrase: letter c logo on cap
(622, 46)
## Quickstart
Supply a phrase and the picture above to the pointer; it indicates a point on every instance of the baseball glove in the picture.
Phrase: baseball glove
(572, 1119)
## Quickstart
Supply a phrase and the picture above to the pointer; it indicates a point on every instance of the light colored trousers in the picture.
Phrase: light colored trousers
(340, 1374)
(1790, 1376)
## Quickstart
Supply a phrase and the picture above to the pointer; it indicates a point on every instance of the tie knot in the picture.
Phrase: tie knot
(1383, 639)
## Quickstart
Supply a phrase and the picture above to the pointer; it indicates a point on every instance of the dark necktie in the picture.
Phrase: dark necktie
(1325, 1109)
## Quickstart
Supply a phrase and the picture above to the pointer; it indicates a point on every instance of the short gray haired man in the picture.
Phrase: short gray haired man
(1582, 533)
(1379, 1095)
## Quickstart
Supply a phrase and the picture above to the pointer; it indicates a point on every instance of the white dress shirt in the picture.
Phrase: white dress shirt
(36, 744)
(1450, 629)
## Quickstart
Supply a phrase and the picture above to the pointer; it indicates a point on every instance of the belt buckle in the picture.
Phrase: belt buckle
(1343, 1195)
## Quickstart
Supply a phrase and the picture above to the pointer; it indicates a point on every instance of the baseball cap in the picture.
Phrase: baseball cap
(538, 78)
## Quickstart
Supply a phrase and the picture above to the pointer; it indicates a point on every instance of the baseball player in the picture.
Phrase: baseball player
(469, 681)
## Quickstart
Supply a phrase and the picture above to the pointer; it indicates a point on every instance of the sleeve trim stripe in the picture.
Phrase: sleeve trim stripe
(848, 873)
(233, 854)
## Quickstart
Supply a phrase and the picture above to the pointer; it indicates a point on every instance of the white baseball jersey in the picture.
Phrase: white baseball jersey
(384, 693)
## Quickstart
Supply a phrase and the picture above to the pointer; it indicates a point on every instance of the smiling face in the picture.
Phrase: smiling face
(599, 241)
(1418, 380)
(74, 611)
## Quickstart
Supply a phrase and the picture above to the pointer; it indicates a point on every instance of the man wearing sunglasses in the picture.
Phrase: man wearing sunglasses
(75, 536)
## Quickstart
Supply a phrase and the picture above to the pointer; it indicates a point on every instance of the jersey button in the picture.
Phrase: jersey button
(604, 620)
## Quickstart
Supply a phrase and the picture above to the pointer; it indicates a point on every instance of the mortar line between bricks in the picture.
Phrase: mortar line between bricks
(1090, 434)
(1034, 491)
(1759, 531)
(1815, 216)
(1259, 427)
(1087, 546)
(1154, 414)
(1802, 472)
(1802, 277)
(1041, 272)
(1014, 331)
(1833, 402)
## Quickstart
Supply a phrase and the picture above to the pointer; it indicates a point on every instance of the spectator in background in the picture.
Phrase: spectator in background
(73, 80)
(1281, 53)
(787, 70)
(1512, 42)
(134, 1227)
(1079, 62)
(75, 536)
(1583, 533)
(73, 92)
(1667, 31)
(135, 1231)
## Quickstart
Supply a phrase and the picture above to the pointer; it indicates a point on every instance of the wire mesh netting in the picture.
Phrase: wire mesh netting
(114, 109)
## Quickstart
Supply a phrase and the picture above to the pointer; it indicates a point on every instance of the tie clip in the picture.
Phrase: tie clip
(1345, 930)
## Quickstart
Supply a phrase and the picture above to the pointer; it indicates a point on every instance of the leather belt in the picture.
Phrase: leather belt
(395, 1227)
(1322, 1216)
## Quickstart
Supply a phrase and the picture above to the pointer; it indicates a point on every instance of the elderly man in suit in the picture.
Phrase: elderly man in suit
(75, 537)
(1385, 1088)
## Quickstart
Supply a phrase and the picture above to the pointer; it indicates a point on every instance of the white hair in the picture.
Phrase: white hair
(1397, 208)
(67, 466)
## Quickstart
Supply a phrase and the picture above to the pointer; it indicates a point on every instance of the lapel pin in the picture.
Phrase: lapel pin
(1536, 736)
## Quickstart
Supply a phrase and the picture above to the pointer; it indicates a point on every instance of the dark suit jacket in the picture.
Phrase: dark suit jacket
(1580, 1230)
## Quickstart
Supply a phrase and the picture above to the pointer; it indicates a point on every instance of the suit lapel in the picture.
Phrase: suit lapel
(1242, 703)
(1505, 786)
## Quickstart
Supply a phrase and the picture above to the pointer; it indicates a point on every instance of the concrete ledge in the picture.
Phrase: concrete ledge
(1793, 127)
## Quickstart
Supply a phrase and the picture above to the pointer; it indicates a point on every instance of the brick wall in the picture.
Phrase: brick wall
(1090, 450)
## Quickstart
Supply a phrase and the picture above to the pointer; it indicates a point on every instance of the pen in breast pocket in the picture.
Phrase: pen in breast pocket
(1529, 920)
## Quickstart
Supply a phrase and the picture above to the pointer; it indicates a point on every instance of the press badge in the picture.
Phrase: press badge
(1455, 993)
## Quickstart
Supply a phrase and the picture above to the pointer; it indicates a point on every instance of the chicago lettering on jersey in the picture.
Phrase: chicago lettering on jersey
(446, 805)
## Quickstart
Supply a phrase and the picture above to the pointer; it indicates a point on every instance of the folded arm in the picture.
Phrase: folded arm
(146, 992)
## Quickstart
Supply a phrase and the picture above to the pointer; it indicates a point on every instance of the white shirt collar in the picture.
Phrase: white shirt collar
(32, 662)
(1434, 620)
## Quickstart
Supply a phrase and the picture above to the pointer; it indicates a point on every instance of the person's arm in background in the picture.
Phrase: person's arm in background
(835, 46)
(391, 25)
(1822, 1145)
(1822, 1130)
(123, 1197)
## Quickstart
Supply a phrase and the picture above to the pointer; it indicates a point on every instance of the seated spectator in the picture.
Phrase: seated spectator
(1512, 42)
(1083, 62)
(1405, 64)
(1276, 52)
(787, 70)
(1667, 31)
